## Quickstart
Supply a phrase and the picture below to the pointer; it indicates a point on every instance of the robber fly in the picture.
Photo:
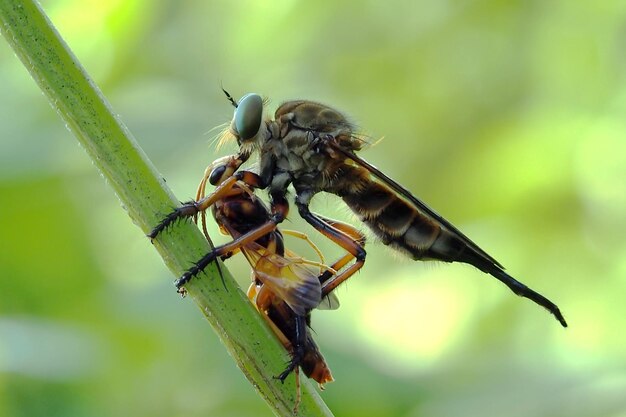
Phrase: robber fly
(313, 147)
(285, 288)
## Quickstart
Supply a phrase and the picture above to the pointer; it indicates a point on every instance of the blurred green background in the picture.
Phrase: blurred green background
(508, 118)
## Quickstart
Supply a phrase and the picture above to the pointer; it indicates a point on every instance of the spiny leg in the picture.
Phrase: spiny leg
(220, 173)
(356, 235)
(345, 236)
(192, 208)
(187, 209)
(279, 214)
(225, 251)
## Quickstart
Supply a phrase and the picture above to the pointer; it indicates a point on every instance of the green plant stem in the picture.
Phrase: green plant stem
(147, 199)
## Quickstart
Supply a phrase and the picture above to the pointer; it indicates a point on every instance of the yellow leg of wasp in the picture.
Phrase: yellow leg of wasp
(252, 291)
(228, 164)
(200, 194)
(263, 299)
(306, 238)
(349, 230)
(321, 265)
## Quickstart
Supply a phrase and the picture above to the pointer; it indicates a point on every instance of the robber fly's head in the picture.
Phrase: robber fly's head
(247, 118)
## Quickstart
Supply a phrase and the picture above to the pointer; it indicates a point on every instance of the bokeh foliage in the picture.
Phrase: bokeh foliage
(507, 117)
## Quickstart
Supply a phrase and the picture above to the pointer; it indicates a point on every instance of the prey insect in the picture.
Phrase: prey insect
(314, 148)
(285, 287)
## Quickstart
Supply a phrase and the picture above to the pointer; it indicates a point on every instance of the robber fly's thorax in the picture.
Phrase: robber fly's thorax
(296, 145)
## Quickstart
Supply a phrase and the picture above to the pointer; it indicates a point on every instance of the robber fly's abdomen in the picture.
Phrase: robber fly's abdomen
(397, 223)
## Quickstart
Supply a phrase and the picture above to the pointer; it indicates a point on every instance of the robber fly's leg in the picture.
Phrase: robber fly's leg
(297, 353)
(226, 250)
(345, 239)
(192, 208)
(357, 236)
(220, 173)
(202, 264)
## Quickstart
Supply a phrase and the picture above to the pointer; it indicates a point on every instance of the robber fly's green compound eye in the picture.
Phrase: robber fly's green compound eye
(248, 116)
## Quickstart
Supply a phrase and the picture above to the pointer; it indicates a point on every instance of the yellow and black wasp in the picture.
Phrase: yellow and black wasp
(285, 287)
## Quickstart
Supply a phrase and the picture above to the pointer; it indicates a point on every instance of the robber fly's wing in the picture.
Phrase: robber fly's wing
(297, 285)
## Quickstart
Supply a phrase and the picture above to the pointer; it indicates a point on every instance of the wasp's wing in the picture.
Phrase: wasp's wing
(329, 302)
(297, 285)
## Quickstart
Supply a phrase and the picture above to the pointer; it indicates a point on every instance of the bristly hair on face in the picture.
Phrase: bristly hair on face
(225, 137)
(216, 140)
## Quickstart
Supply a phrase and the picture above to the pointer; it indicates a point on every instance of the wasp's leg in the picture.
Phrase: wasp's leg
(297, 353)
(306, 238)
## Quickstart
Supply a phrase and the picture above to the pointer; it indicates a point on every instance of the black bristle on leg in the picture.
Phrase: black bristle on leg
(188, 209)
(197, 268)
